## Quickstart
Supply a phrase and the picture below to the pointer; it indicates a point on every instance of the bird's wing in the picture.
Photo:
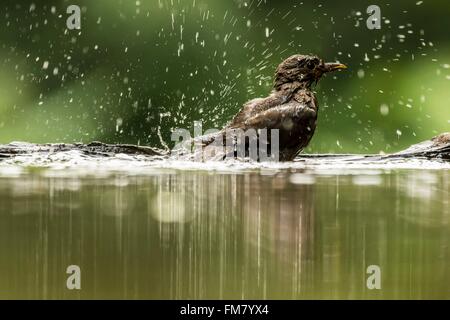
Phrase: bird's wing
(274, 118)
(271, 119)
(255, 106)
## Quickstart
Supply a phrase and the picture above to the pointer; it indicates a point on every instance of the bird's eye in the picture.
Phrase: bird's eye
(310, 65)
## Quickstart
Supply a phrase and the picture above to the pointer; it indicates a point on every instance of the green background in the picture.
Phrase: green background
(139, 69)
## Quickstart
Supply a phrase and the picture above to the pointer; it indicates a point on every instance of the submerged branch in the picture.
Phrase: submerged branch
(92, 149)
(436, 148)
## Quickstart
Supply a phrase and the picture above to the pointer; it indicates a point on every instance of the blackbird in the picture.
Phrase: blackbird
(291, 107)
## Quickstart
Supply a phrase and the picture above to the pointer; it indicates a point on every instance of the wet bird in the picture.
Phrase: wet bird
(291, 107)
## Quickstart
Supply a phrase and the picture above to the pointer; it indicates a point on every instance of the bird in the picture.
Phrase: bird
(291, 107)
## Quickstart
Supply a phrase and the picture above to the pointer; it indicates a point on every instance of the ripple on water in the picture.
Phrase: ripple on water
(75, 163)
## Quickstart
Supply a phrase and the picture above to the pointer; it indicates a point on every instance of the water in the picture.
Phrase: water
(171, 230)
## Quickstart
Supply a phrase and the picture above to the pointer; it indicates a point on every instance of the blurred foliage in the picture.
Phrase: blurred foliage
(138, 69)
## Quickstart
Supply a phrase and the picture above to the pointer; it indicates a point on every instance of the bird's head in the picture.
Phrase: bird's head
(303, 69)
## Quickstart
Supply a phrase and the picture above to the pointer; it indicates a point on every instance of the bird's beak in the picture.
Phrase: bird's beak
(333, 66)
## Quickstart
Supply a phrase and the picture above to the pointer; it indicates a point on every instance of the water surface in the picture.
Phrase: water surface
(202, 231)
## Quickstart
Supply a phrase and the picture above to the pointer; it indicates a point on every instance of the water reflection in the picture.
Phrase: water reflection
(272, 234)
